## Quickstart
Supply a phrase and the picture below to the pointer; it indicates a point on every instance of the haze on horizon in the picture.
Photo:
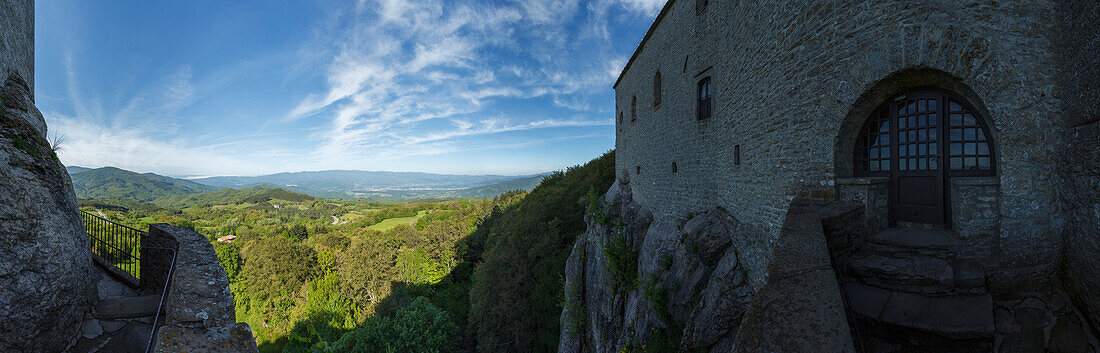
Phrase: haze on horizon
(188, 88)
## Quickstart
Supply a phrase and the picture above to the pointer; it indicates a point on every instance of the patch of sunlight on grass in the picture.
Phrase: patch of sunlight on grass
(393, 222)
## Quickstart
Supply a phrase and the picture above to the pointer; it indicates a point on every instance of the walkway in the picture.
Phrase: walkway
(911, 292)
(121, 320)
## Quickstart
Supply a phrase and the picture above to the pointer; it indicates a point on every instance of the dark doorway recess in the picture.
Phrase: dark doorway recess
(920, 139)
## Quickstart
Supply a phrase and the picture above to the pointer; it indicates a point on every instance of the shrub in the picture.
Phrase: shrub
(622, 263)
(419, 327)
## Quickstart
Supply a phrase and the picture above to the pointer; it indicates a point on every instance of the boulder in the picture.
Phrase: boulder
(46, 278)
(721, 306)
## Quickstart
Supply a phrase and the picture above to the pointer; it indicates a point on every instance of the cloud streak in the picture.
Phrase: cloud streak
(415, 74)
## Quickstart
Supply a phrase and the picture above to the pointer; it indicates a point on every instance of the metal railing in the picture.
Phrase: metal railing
(118, 245)
(163, 297)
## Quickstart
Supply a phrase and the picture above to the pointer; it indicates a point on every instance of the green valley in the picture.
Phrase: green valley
(313, 274)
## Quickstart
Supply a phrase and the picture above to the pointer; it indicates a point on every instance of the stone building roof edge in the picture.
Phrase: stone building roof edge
(652, 28)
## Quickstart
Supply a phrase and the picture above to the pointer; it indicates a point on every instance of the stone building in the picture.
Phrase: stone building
(951, 149)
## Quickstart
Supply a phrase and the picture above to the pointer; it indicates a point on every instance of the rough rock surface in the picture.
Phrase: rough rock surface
(46, 282)
(690, 290)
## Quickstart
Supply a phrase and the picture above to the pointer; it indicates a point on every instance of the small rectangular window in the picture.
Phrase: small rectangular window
(737, 155)
(674, 167)
(638, 170)
(703, 104)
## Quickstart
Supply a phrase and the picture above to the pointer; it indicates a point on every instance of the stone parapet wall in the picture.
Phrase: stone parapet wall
(873, 193)
(199, 314)
(801, 308)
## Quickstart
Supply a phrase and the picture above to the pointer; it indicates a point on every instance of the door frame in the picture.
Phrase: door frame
(944, 172)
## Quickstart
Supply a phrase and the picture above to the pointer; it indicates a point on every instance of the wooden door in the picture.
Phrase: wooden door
(918, 177)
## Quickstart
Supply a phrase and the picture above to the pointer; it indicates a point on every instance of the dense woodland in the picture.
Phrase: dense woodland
(332, 275)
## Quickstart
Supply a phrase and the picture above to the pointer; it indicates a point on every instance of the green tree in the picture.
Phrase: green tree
(416, 267)
(230, 258)
(273, 265)
(298, 232)
(419, 327)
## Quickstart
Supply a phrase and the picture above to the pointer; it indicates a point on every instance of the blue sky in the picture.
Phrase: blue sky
(196, 88)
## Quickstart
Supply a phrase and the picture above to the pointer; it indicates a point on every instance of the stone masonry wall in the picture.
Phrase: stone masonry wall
(975, 211)
(1081, 197)
(785, 77)
(1080, 188)
(17, 40)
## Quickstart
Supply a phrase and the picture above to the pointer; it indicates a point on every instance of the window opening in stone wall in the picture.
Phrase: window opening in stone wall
(620, 118)
(969, 146)
(657, 90)
(634, 109)
(874, 143)
(700, 7)
(911, 134)
(638, 170)
(686, 63)
(674, 167)
(737, 155)
(702, 109)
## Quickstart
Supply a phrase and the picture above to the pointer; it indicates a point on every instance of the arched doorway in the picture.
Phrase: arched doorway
(920, 139)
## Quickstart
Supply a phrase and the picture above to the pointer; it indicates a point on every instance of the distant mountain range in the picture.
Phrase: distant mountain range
(115, 183)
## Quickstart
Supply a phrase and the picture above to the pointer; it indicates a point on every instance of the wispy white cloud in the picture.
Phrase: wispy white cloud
(416, 74)
(648, 7)
(95, 145)
(141, 134)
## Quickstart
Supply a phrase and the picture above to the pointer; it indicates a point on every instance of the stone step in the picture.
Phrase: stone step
(126, 307)
(969, 277)
(961, 316)
(917, 240)
(917, 274)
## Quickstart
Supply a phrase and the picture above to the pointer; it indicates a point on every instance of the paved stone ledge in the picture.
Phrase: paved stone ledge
(199, 316)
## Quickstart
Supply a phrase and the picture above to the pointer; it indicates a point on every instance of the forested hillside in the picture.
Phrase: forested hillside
(331, 275)
(117, 184)
(516, 292)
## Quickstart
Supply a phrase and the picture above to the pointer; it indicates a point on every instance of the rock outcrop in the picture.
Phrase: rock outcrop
(636, 283)
(46, 282)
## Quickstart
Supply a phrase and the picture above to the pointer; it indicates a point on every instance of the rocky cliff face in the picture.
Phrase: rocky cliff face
(644, 285)
(45, 266)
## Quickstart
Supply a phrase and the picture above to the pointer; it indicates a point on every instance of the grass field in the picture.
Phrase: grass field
(393, 222)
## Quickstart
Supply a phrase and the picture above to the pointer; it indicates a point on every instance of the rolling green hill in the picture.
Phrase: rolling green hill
(230, 196)
(112, 183)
